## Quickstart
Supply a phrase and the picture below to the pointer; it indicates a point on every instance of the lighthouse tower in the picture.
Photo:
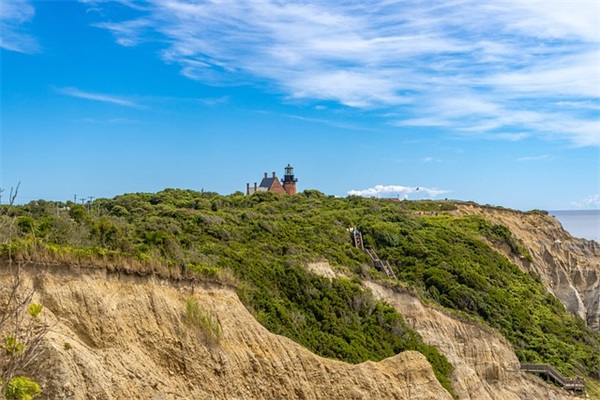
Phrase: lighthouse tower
(289, 182)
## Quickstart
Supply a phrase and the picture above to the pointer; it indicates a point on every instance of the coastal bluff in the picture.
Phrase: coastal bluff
(117, 336)
(569, 267)
(121, 336)
(118, 332)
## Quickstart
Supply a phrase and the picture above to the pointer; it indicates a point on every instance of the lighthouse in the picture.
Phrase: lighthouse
(289, 182)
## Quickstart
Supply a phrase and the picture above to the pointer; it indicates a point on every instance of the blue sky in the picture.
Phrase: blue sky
(496, 102)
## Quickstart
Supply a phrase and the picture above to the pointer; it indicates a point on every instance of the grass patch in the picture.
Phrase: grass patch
(205, 321)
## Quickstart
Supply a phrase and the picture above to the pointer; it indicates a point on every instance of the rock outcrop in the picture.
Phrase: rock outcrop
(116, 336)
(569, 267)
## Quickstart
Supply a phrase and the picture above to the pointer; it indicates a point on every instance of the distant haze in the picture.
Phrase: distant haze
(580, 223)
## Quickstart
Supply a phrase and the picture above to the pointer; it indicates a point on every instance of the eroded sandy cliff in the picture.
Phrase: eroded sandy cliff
(117, 336)
(485, 365)
(569, 267)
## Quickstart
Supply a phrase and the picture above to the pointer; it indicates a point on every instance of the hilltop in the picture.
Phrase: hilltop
(477, 292)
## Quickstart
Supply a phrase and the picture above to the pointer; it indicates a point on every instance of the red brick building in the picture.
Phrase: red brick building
(272, 184)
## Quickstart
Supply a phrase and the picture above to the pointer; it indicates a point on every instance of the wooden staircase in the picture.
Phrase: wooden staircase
(381, 265)
(550, 373)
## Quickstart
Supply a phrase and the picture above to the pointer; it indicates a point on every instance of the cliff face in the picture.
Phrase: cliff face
(569, 267)
(121, 337)
(485, 366)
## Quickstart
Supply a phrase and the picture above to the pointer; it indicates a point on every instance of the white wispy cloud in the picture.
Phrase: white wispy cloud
(509, 70)
(334, 123)
(111, 121)
(105, 98)
(590, 202)
(14, 15)
(129, 33)
(213, 101)
(585, 105)
(534, 158)
(129, 3)
(397, 191)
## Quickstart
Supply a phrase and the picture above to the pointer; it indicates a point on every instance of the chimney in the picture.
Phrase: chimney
(265, 175)
(255, 188)
(247, 188)
(274, 176)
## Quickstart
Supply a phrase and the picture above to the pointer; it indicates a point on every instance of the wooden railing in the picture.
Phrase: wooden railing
(554, 375)
(384, 266)
(380, 264)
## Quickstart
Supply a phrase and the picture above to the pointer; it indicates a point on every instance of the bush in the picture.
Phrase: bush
(22, 388)
(12, 345)
(35, 309)
(26, 224)
(78, 212)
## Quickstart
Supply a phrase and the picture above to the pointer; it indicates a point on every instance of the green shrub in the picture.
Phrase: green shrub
(12, 345)
(78, 212)
(35, 309)
(26, 224)
(22, 388)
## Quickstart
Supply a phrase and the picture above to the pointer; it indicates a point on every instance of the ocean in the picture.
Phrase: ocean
(580, 223)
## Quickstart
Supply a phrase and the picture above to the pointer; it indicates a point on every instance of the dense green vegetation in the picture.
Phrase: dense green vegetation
(447, 261)
(265, 240)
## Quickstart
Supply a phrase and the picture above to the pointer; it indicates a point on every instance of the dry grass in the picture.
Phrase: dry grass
(204, 320)
(31, 252)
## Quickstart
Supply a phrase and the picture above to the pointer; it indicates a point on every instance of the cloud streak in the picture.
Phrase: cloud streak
(508, 70)
(534, 158)
(14, 15)
(104, 98)
(397, 191)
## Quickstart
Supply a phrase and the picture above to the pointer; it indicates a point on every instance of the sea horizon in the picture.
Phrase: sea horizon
(580, 223)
